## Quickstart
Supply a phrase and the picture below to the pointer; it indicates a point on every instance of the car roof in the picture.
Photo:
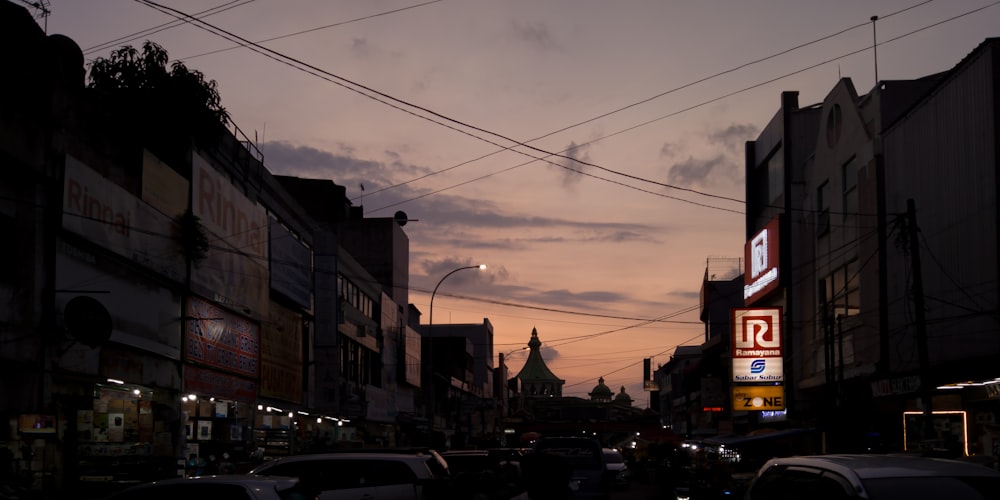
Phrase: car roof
(369, 455)
(884, 466)
(231, 478)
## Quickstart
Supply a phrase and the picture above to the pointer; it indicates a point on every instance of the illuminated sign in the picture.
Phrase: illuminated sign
(756, 333)
(761, 254)
(711, 409)
(758, 398)
(758, 369)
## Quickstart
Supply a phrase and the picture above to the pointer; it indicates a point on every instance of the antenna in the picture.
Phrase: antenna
(875, 47)
(41, 11)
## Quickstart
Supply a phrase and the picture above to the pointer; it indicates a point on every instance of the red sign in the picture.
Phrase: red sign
(756, 333)
(761, 255)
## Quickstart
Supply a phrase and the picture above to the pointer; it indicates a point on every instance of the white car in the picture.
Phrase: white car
(615, 463)
(873, 477)
(368, 475)
(235, 487)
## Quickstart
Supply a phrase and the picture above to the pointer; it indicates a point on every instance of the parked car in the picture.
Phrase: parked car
(589, 477)
(370, 475)
(235, 487)
(874, 477)
(480, 475)
(615, 463)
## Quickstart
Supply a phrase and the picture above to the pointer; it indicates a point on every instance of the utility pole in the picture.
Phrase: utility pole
(926, 392)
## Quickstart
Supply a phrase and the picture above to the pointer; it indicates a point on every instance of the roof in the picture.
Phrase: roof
(534, 368)
(882, 466)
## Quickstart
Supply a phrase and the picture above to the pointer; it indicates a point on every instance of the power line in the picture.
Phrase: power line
(310, 30)
(163, 27)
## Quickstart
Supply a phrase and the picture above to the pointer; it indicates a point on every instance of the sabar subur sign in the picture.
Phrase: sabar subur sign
(757, 359)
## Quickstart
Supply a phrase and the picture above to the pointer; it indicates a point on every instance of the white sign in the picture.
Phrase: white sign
(769, 369)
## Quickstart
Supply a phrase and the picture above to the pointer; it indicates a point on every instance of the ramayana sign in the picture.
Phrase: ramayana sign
(761, 257)
(757, 359)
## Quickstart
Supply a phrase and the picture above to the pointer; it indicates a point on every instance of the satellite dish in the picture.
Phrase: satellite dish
(87, 320)
(401, 218)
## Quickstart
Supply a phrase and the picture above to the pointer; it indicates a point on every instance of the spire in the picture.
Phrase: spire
(535, 376)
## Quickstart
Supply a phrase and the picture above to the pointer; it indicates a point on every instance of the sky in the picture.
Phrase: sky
(589, 152)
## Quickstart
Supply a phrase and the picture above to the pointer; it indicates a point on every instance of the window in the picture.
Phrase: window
(849, 193)
(793, 483)
(843, 291)
(823, 209)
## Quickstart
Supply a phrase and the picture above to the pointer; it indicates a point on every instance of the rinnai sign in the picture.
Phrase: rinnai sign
(761, 257)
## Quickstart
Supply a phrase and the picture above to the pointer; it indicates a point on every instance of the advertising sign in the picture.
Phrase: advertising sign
(220, 339)
(756, 333)
(757, 359)
(235, 271)
(758, 369)
(281, 355)
(291, 265)
(758, 397)
(762, 260)
(108, 215)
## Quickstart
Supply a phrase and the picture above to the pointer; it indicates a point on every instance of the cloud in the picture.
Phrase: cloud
(694, 172)
(724, 169)
(570, 165)
(536, 34)
(359, 46)
(734, 136)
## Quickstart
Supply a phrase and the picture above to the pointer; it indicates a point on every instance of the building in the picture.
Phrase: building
(466, 410)
(886, 262)
(540, 408)
(169, 297)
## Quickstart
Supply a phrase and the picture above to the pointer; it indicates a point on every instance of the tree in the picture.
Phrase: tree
(139, 85)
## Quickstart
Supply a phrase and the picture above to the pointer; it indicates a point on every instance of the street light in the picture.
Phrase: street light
(430, 351)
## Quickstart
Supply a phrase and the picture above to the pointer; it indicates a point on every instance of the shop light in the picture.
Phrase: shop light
(302, 413)
(192, 397)
(290, 414)
(136, 391)
(116, 381)
(260, 407)
(319, 420)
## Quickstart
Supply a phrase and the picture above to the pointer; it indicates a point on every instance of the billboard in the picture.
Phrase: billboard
(110, 216)
(757, 359)
(756, 332)
(761, 255)
(758, 370)
(758, 397)
(235, 271)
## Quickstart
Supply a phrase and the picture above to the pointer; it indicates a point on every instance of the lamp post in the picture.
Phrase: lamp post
(430, 351)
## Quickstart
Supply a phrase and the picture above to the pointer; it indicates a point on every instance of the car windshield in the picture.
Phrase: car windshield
(928, 488)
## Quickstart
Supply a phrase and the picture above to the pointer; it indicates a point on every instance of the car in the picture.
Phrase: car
(376, 475)
(873, 477)
(481, 475)
(236, 487)
(589, 477)
(615, 464)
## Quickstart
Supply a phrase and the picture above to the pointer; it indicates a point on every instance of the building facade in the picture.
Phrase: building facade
(886, 209)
